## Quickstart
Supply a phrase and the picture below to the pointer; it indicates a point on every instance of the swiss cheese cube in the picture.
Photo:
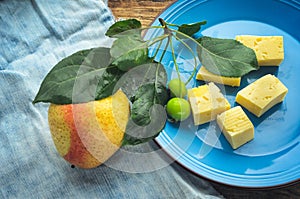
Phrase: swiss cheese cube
(268, 49)
(236, 126)
(207, 102)
(261, 95)
(204, 75)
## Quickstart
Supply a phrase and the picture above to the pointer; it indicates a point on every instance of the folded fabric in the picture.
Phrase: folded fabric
(35, 35)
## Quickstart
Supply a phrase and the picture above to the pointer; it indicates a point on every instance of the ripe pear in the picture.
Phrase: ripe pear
(87, 134)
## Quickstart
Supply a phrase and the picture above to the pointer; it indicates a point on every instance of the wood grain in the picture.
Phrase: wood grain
(146, 11)
(143, 10)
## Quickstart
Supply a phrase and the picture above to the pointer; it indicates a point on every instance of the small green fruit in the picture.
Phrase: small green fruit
(178, 108)
(177, 88)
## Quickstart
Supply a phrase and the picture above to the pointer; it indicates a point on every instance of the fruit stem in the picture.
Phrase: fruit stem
(192, 52)
(169, 33)
(160, 40)
(165, 50)
(174, 59)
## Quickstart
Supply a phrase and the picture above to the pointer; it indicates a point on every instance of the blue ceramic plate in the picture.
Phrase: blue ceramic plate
(273, 157)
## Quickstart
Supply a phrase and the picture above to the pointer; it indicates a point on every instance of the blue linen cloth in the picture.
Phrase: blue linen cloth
(35, 35)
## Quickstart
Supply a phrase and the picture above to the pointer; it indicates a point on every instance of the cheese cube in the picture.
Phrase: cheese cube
(205, 75)
(261, 95)
(207, 102)
(236, 126)
(268, 49)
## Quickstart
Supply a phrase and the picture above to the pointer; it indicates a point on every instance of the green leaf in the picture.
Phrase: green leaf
(148, 116)
(226, 57)
(149, 95)
(84, 76)
(122, 26)
(129, 51)
(190, 29)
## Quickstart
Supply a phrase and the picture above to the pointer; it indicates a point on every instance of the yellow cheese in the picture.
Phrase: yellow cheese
(207, 102)
(262, 94)
(236, 126)
(268, 49)
(205, 75)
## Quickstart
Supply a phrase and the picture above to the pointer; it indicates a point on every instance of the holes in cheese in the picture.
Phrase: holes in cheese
(207, 102)
(261, 95)
(268, 49)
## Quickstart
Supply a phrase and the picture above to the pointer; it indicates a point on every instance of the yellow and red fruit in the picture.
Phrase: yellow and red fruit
(87, 134)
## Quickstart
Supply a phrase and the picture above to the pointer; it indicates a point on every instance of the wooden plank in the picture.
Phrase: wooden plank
(143, 10)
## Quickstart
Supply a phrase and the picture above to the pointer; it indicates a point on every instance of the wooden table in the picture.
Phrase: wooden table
(146, 11)
(143, 10)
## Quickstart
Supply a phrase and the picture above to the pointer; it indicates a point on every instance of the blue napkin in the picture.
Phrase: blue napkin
(35, 35)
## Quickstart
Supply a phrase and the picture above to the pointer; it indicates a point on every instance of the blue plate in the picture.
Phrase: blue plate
(273, 157)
